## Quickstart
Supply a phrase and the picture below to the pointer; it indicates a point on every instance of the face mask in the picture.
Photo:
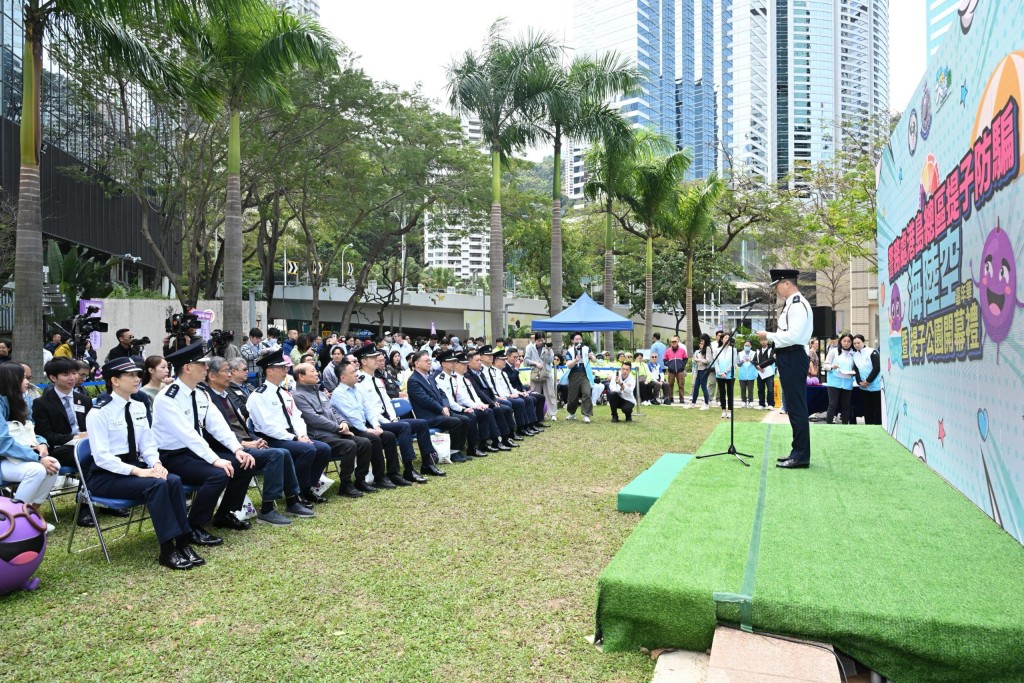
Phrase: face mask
(746, 347)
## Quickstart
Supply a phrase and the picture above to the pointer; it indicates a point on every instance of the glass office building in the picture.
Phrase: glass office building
(695, 89)
(77, 136)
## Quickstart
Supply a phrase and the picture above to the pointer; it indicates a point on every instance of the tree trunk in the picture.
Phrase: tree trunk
(232, 318)
(357, 293)
(649, 294)
(609, 277)
(28, 266)
(555, 306)
(497, 250)
(690, 317)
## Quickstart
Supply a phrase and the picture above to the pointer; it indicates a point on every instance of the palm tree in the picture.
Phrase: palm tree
(609, 162)
(651, 192)
(506, 85)
(245, 49)
(577, 110)
(103, 24)
(694, 223)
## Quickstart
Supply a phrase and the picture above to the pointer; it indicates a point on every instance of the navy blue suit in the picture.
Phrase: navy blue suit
(537, 399)
(502, 411)
(428, 402)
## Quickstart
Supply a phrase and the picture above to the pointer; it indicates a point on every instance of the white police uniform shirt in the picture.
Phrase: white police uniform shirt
(108, 434)
(465, 393)
(376, 396)
(449, 386)
(501, 383)
(174, 425)
(267, 407)
(489, 373)
(795, 323)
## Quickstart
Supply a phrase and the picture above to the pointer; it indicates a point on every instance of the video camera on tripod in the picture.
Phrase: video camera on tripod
(80, 327)
(178, 326)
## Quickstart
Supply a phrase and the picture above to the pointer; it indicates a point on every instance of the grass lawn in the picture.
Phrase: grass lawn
(487, 575)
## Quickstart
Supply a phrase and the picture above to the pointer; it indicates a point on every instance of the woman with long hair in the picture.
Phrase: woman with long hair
(840, 367)
(868, 367)
(25, 457)
(392, 373)
(155, 374)
(702, 359)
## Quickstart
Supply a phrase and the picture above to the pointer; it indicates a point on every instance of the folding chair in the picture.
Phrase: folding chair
(83, 457)
(64, 490)
(403, 408)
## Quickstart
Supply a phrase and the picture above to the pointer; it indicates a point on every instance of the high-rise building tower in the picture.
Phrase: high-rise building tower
(797, 75)
(308, 7)
(940, 17)
(695, 88)
(643, 31)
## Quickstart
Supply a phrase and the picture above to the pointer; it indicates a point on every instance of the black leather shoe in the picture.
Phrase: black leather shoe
(615, 418)
(782, 459)
(433, 471)
(85, 518)
(511, 443)
(313, 498)
(201, 536)
(501, 447)
(174, 560)
(414, 476)
(515, 436)
(491, 448)
(364, 487)
(231, 522)
(791, 464)
(350, 492)
(399, 480)
(539, 426)
(191, 555)
(114, 513)
(384, 483)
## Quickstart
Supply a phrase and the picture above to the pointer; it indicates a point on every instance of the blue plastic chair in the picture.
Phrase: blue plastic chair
(402, 407)
(83, 458)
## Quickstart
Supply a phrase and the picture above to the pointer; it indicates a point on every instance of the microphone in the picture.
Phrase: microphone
(751, 303)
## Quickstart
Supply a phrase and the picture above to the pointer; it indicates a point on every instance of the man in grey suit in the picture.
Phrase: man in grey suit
(352, 452)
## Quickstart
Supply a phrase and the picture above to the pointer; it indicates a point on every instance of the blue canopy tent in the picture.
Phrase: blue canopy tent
(587, 315)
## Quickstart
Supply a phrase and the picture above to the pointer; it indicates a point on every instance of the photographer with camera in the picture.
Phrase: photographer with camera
(221, 344)
(182, 329)
(540, 356)
(127, 346)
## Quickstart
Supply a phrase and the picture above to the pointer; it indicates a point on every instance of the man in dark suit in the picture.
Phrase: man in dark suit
(59, 415)
(503, 415)
(430, 404)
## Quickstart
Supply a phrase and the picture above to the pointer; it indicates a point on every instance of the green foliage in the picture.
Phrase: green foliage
(79, 276)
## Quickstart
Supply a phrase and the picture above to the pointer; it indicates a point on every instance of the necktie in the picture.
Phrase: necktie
(383, 402)
(133, 449)
(455, 392)
(195, 414)
(287, 416)
(469, 389)
(72, 420)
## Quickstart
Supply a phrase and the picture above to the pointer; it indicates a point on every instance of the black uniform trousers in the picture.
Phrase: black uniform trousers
(275, 464)
(344, 451)
(518, 409)
(310, 459)
(421, 430)
(403, 435)
(211, 482)
(505, 419)
(384, 452)
(455, 427)
(470, 433)
(767, 383)
(165, 498)
(792, 363)
(474, 427)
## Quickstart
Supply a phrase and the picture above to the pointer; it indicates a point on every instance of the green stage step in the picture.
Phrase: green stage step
(641, 493)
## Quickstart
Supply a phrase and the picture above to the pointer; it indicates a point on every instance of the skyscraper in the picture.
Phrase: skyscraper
(643, 31)
(695, 88)
(940, 17)
(796, 75)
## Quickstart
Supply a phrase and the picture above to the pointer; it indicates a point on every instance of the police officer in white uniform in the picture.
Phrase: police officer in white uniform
(126, 464)
(182, 414)
(794, 331)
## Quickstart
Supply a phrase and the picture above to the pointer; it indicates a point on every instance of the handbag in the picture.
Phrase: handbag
(539, 375)
(23, 432)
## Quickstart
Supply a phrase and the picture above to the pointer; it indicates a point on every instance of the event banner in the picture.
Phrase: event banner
(950, 240)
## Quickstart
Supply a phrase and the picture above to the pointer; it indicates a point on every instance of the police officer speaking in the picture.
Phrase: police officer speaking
(791, 338)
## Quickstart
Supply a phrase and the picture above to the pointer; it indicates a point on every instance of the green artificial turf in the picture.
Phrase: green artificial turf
(487, 575)
(868, 549)
(641, 493)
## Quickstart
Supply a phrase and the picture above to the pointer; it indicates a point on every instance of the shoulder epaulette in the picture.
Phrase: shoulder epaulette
(262, 389)
(172, 390)
(796, 299)
(102, 401)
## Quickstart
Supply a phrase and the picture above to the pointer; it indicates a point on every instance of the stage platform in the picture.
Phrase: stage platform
(868, 550)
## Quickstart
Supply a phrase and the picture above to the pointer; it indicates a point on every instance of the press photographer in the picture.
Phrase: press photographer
(221, 344)
(127, 346)
(182, 329)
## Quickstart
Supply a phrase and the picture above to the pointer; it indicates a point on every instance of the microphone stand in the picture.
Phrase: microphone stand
(732, 413)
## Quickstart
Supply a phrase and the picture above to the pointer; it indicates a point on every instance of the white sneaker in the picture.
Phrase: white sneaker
(586, 420)
(570, 416)
(705, 407)
(783, 411)
(724, 414)
(728, 413)
(645, 403)
(554, 418)
(49, 528)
